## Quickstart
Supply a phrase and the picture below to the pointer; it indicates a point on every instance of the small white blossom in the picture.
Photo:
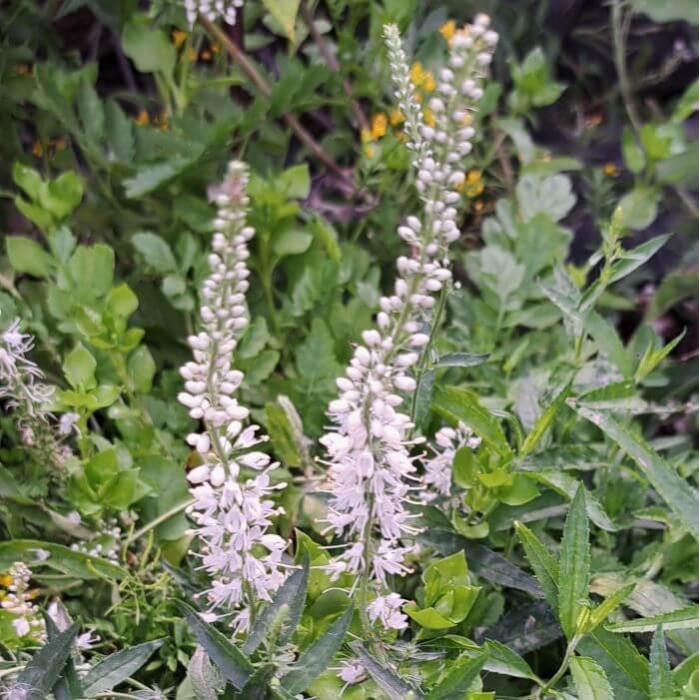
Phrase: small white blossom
(212, 10)
(351, 672)
(387, 610)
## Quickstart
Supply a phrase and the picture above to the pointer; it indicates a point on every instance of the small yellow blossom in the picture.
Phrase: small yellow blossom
(428, 117)
(379, 124)
(142, 118)
(429, 82)
(448, 30)
(38, 149)
(369, 151)
(396, 117)
(365, 135)
(611, 170)
(417, 73)
(205, 55)
(473, 184)
(178, 37)
(6, 580)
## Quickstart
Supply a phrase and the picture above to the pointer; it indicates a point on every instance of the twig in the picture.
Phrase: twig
(263, 86)
(620, 27)
(332, 62)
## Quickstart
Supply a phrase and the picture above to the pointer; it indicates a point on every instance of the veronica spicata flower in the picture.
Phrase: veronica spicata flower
(21, 385)
(371, 470)
(233, 512)
(212, 10)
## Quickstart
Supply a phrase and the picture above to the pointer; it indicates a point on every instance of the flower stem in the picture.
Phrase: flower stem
(570, 649)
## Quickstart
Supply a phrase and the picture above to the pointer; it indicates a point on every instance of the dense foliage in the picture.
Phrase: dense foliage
(348, 349)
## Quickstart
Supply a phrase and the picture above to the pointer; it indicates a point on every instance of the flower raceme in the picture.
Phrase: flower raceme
(212, 10)
(233, 512)
(372, 473)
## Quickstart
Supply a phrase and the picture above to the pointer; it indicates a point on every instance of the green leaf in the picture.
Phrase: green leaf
(551, 196)
(502, 659)
(652, 357)
(632, 259)
(227, 658)
(258, 685)
(396, 688)
(68, 685)
(639, 208)
(28, 179)
(150, 49)
(291, 243)
(684, 619)
(459, 679)
(79, 367)
(590, 680)
(63, 194)
(601, 613)
(27, 256)
(117, 667)
(122, 301)
(543, 563)
(141, 368)
(41, 673)
(316, 657)
(294, 182)
(544, 421)
(120, 132)
(287, 605)
(92, 270)
(205, 679)
(677, 492)
(574, 565)
(155, 251)
(463, 405)
(668, 10)
(661, 684)
(462, 359)
(632, 153)
(91, 112)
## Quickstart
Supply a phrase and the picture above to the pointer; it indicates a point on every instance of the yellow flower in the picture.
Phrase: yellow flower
(6, 580)
(448, 30)
(396, 117)
(369, 151)
(611, 170)
(428, 117)
(365, 135)
(178, 37)
(473, 184)
(205, 55)
(142, 118)
(379, 124)
(417, 73)
(37, 149)
(429, 82)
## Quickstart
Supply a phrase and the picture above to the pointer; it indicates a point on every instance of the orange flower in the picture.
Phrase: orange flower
(142, 118)
(611, 170)
(379, 124)
(205, 55)
(178, 37)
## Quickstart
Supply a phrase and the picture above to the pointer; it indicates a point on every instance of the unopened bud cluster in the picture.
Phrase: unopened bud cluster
(371, 470)
(212, 10)
(233, 513)
(17, 601)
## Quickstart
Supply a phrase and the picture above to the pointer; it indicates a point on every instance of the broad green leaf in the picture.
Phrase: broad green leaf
(62, 195)
(155, 251)
(27, 256)
(463, 405)
(117, 667)
(257, 686)
(632, 259)
(632, 153)
(639, 208)
(527, 627)
(461, 675)
(661, 684)
(91, 111)
(92, 270)
(284, 13)
(205, 679)
(315, 658)
(79, 367)
(543, 563)
(120, 132)
(590, 680)
(684, 619)
(396, 688)
(551, 196)
(502, 659)
(291, 243)
(574, 565)
(227, 658)
(678, 493)
(150, 49)
(141, 368)
(286, 608)
(28, 179)
(60, 558)
(41, 673)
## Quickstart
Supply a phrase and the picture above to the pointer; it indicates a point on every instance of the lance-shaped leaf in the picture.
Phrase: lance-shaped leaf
(117, 667)
(459, 679)
(395, 687)
(41, 673)
(574, 564)
(660, 678)
(315, 658)
(232, 665)
(544, 421)
(590, 680)
(287, 606)
(68, 685)
(502, 659)
(676, 491)
(543, 563)
(600, 613)
(684, 619)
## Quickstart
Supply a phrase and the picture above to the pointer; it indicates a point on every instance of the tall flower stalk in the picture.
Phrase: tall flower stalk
(233, 512)
(372, 472)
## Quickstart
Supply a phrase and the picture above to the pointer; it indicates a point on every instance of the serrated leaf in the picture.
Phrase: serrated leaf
(463, 405)
(459, 678)
(68, 685)
(206, 682)
(543, 563)
(544, 421)
(574, 565)
(601, 613)
(117, 667)
(43, 670)
(684, 619)
(590, 680)
(676, 491)
(502, 659)
(227, 658)
(395, 687)
(291, 595)
(660, 678)
(315, 658)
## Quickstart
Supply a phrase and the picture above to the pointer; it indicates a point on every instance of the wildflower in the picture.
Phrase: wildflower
(233, 514)
(178, 37)
(448, 30)
(18, 602)
(28, 396)
(387, 609)
(371, 471)
(212, 10)
(205, 55)
(379, 125)
(473, 184)
(396, 117)
(142, 118)
(369, 151)
(611, 170)
(351, 672)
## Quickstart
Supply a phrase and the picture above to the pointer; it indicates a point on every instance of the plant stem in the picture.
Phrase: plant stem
(620, 26)
(570, 649)
(163, 517)
(247, 66)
